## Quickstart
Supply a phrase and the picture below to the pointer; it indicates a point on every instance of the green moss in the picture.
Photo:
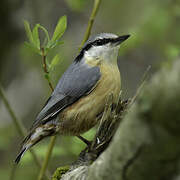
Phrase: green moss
(59, 172)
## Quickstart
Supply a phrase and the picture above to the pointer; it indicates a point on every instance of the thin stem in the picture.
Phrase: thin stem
(12, 173)
(46, 69)
(17, 122)
(44, 61)
(90, 22)
(50, 85)
(143, 81)
(19, 126)
(53, 138)
(46, 160)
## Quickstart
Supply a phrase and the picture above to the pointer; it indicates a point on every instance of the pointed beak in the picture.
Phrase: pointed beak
(120, 39)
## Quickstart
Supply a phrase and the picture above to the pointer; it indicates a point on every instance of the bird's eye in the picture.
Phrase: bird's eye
(98, 42)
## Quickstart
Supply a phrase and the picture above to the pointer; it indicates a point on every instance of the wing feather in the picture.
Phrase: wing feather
(77, 81)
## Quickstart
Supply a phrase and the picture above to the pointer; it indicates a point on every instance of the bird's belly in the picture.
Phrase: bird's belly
(82, 115)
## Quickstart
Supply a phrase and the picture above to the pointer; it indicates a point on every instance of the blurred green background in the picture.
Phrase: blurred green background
(155, 40)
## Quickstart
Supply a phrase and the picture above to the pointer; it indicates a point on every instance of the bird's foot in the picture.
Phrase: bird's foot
(88, 143)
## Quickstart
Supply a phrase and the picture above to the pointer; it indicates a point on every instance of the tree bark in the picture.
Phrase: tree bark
(146, 144)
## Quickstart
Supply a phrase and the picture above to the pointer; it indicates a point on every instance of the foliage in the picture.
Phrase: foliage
(48, 43)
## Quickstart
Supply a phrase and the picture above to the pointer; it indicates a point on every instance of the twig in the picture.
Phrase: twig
(86, 36)
(143, 81)
(12, 173)
(90, 22)
(46, 69)
(19, 126)
(46, 160)
(53, 138)
(16, 121)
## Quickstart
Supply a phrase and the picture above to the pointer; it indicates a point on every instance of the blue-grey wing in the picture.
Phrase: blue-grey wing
(77, 81)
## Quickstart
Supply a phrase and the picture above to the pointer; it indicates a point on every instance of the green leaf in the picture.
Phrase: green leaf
(45, 32)
(32, 47)
(60, 28)
(35, 34)
(54, 62)
(57, 43)
(28, 31)
(53, 44)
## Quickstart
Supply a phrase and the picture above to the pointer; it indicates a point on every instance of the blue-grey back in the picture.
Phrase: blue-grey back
(77, 81)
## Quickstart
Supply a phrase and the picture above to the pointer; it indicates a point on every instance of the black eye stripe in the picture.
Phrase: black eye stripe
(98, 42)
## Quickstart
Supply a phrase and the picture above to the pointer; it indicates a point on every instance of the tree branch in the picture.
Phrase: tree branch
(146, 144)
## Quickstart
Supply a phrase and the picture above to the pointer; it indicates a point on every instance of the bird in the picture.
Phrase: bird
(79, 97)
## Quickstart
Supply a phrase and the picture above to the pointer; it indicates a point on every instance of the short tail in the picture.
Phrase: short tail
(33, 138)
(20, 155)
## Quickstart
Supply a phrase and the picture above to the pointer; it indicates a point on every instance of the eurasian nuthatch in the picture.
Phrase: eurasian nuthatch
(80, 95)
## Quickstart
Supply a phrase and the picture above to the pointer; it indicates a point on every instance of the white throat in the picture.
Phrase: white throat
(104, 53)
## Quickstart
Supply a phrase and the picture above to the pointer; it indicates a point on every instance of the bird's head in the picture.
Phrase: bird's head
(103, 46)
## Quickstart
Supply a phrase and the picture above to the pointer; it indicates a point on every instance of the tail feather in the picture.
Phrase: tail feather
(20, 155)
(34, 137)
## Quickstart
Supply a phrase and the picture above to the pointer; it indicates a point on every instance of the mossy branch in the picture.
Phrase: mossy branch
(20, 128)
(59, 172)
(109, 122)
(146, 143)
